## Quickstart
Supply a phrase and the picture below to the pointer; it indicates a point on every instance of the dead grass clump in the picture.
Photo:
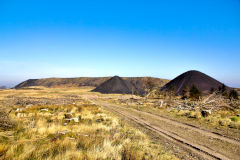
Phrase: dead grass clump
(3, 149)
(88, 143)
(132, 152)
(5, 122)
(234, 125)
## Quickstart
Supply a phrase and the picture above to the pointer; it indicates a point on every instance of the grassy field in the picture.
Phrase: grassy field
(41, 123)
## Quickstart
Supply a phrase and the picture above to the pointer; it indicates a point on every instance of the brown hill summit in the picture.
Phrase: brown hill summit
(202, 81)
(138, 82)
(117, 85)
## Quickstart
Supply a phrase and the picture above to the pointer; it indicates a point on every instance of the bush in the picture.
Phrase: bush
(195, 93)
(185, 92)
(233, 94)
(235, 119)
(223, 90)
(150, 85)
(172, 91)
(212, 90)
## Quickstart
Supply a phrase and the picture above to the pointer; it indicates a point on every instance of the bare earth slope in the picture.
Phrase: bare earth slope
(116, 85)
(183, 139)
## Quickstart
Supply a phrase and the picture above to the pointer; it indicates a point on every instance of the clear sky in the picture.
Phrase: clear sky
(161, 38)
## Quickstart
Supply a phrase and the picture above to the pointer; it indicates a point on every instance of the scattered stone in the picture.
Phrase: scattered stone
(19, 110)
(21, 115)
(29, 105)
(206, 113)
(67, 120)
(76, 119)
(161, 103)
(179, 107)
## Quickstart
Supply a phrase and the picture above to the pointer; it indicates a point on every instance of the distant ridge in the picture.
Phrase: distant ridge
(3, 87)
(138, 82)
(116, 85)
(204, 82)
(63, 82)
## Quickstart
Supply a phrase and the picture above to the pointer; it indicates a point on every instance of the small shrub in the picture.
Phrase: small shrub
(233, 94)
(195, 93)
(212, 90)
(223, 122)
(186, 92)
(191, 114)
(80, 109)
(49, 120)
(223, 90)
(235, 119)
(45, 154)
(233, 125)
(4, 139)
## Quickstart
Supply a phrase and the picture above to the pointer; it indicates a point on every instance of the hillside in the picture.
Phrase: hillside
(138, 82)
(202, 81)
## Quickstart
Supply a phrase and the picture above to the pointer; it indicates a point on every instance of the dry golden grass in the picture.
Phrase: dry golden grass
(46, 132)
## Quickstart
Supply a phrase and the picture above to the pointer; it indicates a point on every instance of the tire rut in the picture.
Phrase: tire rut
(203, 151)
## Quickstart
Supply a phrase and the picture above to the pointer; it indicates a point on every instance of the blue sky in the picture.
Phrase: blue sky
(74, 38)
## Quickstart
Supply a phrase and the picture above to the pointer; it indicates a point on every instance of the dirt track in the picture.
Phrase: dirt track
(193, 142)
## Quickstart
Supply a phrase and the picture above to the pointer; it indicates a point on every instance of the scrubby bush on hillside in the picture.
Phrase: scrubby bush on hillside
(233, 94)
(172, 90)
(150, 85)
(195, 93)
(212, 90)
(186, 92)
(223, 90)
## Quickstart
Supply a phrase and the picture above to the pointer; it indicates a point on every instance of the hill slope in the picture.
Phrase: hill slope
(63, 82)
(204, 82)
(138, 82)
